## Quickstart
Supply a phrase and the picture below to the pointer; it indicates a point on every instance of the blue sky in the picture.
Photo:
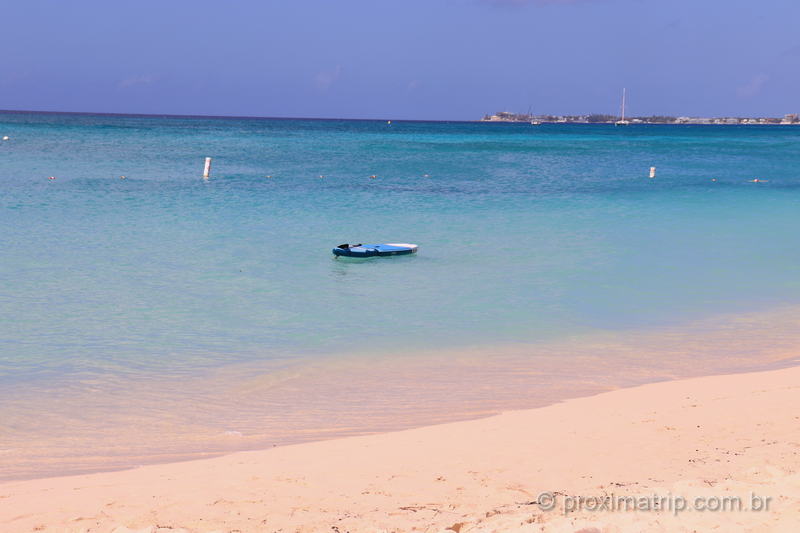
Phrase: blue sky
(401, 59)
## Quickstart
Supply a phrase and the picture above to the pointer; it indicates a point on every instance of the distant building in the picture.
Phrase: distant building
(507, 116)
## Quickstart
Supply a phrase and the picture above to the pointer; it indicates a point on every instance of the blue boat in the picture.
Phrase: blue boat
(374, 250)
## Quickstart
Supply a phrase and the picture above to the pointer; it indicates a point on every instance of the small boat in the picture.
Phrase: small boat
(532, 118)
(374, 250)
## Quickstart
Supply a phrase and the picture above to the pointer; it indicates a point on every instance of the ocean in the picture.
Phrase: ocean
(164, 316)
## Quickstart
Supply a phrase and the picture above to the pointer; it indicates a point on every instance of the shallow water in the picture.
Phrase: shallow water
(130, 302)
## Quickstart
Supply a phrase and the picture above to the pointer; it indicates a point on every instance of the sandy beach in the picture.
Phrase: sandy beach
(699, 454)
(389, 267)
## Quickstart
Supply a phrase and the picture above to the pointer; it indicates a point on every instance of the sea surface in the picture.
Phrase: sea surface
(166, 316)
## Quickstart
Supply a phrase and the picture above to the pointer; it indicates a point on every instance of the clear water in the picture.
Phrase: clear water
(527, 234)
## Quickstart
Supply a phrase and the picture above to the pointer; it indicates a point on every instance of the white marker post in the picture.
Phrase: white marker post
(652, 172)
(207, 169)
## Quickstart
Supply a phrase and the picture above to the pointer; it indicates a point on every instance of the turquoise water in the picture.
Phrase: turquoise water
(526, 233)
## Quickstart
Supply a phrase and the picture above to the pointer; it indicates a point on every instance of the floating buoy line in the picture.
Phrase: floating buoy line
(207, 172)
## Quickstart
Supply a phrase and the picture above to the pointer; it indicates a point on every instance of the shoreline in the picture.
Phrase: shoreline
(250, 407)
(684, 437)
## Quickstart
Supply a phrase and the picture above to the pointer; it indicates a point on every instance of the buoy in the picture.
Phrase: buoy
(388, 121)
(207, 168)
(652, 172)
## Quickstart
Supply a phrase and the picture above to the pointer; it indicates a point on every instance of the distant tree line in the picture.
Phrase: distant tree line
(601, 118)
(658, 118)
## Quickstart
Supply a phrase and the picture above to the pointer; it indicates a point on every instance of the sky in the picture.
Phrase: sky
(401, 59)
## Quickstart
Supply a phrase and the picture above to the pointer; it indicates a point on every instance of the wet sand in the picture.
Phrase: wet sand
(702, 440)
(104, 423)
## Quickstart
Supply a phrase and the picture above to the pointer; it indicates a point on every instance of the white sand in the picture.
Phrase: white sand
(712, 437)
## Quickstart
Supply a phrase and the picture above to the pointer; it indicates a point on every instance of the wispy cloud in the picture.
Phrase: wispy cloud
(326, 78)
(752, 87)
(144, 79)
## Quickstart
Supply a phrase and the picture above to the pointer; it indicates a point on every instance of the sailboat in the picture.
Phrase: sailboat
(622, 121)
(532, 118)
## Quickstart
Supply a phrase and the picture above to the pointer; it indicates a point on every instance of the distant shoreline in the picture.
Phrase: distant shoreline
(542, 119)
(787, 120)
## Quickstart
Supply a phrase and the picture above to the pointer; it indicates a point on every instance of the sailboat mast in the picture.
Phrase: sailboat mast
(623, 103)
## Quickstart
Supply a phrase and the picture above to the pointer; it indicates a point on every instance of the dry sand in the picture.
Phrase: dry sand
(734, 436)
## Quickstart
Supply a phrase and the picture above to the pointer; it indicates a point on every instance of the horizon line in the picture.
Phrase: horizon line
(245, 117)
(258, 117)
